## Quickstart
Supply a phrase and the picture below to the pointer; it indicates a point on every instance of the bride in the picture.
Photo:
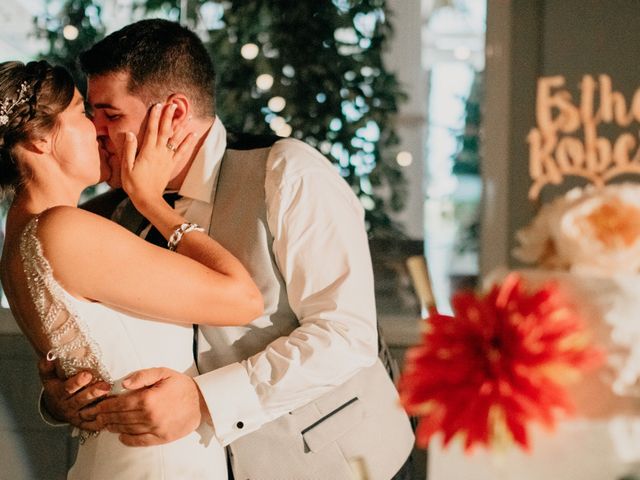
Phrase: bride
(83, 289)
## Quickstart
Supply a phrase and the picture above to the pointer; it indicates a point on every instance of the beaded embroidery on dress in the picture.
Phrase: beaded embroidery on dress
(67, 333)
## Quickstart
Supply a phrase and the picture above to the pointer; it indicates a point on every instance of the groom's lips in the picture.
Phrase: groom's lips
(106, 155)
(105, 160)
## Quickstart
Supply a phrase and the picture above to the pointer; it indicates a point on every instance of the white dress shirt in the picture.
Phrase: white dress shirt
(321, 249)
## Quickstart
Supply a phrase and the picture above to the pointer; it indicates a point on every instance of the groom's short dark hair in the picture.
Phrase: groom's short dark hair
(161, 57)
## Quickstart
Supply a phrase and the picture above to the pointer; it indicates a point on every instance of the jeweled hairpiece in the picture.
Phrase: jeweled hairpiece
(7, 105)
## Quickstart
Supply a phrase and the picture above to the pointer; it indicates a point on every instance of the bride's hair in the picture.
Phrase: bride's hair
(32, 96)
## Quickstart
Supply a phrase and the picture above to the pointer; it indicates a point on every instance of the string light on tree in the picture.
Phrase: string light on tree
(404, 159)
(264, 81)
(325, 147)
(277, 123)
(288, 71)
(276, 104)
(335, 124)
(284, 131)
(70, 32)
(366, 71)
(249, 51)
(367, 202)
(350, 76)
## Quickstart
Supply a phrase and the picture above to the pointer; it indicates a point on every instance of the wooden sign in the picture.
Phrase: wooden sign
(567, 139)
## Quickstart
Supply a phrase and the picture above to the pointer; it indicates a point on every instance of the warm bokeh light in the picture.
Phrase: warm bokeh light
(249, 51)
(70, 32)
(404, 159)
(276, 104)
(284, 131)
(277, 123)
(264, 81)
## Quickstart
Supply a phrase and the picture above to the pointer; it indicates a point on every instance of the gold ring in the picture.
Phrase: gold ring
(171, 146)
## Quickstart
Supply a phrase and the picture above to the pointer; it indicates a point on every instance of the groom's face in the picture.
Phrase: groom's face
(115, 112)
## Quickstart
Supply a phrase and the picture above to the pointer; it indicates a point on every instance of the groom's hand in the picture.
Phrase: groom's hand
(164, 405)
(65, 399)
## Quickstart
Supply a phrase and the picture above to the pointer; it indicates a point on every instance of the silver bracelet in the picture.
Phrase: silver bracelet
(178, 233)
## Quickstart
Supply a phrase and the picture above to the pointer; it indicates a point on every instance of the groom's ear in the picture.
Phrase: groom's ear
(183, 108)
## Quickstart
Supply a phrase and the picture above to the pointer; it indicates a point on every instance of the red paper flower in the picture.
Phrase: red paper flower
(497, 365)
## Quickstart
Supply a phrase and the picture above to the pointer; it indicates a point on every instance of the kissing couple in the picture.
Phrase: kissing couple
(211, 316)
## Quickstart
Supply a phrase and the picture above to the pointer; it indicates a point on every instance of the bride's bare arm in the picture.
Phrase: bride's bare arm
(98, 260)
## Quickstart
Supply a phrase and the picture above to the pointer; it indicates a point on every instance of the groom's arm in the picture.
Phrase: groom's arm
(321, 249)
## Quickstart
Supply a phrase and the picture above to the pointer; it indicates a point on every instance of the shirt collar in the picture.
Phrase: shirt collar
(200, 181)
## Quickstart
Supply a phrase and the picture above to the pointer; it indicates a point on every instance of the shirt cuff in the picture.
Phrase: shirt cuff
(46, 416)
(232, 401)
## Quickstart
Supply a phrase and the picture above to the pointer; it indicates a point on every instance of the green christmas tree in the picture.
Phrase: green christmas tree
(310, 70)
(69, 31)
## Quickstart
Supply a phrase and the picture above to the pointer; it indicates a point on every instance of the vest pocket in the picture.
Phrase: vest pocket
(333, 425)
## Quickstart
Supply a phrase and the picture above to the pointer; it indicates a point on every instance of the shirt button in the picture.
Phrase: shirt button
(240, 424)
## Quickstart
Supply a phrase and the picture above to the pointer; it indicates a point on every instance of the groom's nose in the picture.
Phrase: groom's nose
(102, 141)
(100, 125)
(101, 132)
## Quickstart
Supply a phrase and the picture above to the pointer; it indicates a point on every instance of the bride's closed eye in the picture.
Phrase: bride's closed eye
(87, 111)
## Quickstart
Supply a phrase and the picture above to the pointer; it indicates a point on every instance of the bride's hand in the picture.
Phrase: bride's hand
(145, 175)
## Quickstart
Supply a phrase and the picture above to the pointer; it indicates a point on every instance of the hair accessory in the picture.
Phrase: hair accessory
(176, 236)
(7, 105)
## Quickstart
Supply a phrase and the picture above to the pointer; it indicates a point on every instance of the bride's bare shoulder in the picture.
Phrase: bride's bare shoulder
(62, 224)
(79, 245)
(66, 216)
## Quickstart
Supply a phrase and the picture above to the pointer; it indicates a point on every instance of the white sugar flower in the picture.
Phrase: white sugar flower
(587, 229)
(536, 241)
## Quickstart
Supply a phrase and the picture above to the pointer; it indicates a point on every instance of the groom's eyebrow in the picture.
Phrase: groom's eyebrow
(104, 105)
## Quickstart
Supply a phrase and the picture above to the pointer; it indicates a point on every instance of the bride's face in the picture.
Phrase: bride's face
(75, 144)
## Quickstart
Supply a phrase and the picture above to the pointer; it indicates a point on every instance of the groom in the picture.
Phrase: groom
(300, 392)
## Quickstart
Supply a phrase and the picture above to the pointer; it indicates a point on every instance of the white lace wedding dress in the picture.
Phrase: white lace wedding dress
(112, 344)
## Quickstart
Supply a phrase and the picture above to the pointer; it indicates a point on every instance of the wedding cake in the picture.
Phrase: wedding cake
(587, 242)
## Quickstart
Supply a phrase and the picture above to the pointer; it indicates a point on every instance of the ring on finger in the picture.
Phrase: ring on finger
(171, 146)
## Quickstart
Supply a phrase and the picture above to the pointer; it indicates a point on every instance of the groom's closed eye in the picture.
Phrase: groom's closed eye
(110, 112)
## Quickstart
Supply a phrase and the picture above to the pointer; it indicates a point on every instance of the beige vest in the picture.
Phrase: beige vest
(359, 422)
(239, 223)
